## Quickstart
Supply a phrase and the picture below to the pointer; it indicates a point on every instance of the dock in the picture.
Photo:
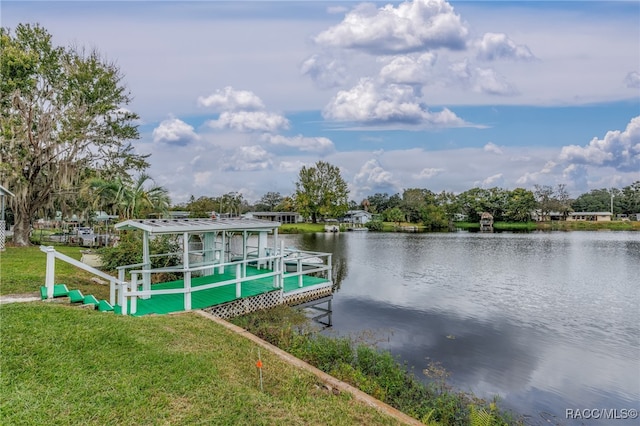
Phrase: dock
(229, 267)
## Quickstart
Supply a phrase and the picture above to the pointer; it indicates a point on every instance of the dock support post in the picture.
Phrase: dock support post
(222, 253)
(187, 290)
(282, 265)
(112, 292)
(51, 271)
(122, 299)
(146, 259)
(238, 283)
(134, 298)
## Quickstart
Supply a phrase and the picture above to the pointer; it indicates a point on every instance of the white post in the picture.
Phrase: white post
(121, 275)
(238, 284)
(222, 252)
(299, 270)
(282, 265)
(112, 292)
(262, 247)
(134, 298)
(210, 253)
(187, 272)
(51, 271)
(187, 290)
(146, 259)
(122, 299)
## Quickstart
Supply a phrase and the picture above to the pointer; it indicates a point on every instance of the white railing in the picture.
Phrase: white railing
(115, 284)
(279, 265)
(240, 277)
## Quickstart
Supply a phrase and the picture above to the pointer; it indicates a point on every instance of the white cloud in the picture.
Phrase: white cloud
(229, 99)
(480, 80)
(406, 69)
(620, 150)
(291, 166)
(248, 159)
(494, 180)
(318, 145)
(491, 147)
(250, 121)
(494, 46)
(372, 177)
(174, 131)
(368, 103)
(202, 179)
(325, 71)
(632, 80)
(428, 173)
(420, 25)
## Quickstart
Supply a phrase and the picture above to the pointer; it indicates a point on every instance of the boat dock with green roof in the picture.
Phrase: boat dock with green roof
(228, 266)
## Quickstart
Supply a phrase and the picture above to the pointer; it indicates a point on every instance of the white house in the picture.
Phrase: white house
(357, 217)
(282, 217)
(589, 217)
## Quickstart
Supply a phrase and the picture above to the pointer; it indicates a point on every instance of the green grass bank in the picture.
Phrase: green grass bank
(72, 366)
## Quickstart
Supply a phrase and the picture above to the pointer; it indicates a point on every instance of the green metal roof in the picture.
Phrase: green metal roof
(179, 226)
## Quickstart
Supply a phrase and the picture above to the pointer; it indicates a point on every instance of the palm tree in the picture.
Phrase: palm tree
(125, 197)
(141, 201)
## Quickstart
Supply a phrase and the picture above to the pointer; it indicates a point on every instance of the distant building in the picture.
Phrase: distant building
(178, 214)
(357, 217)
(539, 217)
(589, 217)
(486, 222)
(282, 217)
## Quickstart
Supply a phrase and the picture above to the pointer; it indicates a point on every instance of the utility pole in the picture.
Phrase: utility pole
(612, 203)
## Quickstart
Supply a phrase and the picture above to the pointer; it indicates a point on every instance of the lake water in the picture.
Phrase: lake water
(547, 321)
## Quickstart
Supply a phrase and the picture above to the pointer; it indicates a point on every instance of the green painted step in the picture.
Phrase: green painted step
(90, 300)
(104, 306)
(76, 296)
(59, 290)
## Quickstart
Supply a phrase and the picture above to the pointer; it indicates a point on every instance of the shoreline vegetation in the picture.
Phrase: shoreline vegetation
(299, 228)
(359, 363)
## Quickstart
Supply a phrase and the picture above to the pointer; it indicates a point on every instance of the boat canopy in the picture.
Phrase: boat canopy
(179, 226)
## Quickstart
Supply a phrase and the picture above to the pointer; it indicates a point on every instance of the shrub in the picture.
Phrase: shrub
(375, 225)
(128, 251)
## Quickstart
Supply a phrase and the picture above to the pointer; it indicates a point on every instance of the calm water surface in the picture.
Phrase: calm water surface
(546, 321)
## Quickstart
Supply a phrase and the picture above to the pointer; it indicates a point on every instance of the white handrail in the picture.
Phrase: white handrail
(52, 254)
(126, 294)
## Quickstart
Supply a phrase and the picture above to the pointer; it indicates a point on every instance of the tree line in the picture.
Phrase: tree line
(66, 147)
(420, 205)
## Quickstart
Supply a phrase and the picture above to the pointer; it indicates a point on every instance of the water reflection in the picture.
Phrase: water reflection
(547, 321)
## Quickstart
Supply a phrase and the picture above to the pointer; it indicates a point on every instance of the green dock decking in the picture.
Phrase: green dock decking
(168, 303)
(225, 264)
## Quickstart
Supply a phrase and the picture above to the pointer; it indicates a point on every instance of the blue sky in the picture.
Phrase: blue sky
(237, 96)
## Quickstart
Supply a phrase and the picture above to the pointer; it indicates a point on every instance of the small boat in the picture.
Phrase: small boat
(307, 261)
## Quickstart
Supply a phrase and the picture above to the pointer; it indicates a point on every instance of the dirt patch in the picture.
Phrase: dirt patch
(16, 298)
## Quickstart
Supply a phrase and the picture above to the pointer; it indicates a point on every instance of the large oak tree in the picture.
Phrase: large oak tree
(321, 192)
(62, 113)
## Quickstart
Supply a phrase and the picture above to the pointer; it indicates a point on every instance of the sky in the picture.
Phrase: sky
(237, 96)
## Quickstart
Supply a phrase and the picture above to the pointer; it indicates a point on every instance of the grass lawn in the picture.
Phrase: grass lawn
(298, 228)
(23, 270)
(71, 366)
